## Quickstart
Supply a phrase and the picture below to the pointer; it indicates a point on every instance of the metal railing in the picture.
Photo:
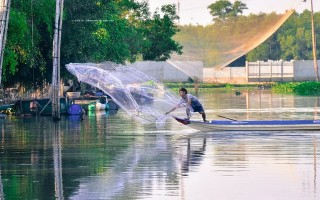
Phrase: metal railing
(270, 71)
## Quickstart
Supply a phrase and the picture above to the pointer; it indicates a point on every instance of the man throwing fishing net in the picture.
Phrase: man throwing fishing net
(191, 103)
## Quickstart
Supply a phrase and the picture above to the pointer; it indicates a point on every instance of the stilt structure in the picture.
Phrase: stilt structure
(4, 14)
(55, 86)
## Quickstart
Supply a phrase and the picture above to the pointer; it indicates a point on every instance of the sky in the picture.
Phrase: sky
(196, 11)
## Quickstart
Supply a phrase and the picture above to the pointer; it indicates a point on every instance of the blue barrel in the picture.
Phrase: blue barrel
(75, 109)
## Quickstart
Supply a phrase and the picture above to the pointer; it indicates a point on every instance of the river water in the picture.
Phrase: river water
(110, 156)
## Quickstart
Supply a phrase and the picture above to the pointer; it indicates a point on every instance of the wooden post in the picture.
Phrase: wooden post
(5, 9)
(281, 63)
(259, 70)
(247, 71)
(271, 64)
(55, 87)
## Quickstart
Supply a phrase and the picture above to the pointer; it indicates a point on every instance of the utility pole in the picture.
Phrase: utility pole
(55, 86)
(314, 48)
(4, 14)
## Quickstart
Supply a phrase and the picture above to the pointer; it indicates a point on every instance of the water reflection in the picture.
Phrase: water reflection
(259, 104)
(315, 166)
(148, 164)
(113, 157)
(57, 161)
(276, 165)
(1, 187)
(1, 184)
(194, 157)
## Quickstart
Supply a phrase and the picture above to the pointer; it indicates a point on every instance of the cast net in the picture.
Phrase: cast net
(219, 44)
(224, 40)
(138, 94)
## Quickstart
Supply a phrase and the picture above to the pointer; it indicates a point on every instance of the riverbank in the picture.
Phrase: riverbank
(299, 88)
(203, 86)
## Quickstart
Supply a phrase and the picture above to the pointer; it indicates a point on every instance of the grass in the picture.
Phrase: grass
(309, 88)
(189, 85)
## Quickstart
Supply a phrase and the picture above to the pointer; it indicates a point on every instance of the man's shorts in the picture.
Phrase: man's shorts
(198, 109)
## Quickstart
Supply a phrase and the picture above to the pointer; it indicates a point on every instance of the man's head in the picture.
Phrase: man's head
(183, 91)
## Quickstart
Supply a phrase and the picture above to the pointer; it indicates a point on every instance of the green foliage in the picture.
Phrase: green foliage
(308, 88)
(291, 41)
(228, 85)
(269, 50)
(177, 85)
(284, 87)
(29, 42)
(223, 9)
(117, 31)
(92, 31)
(97, 31)
(158, 33)
(299, 88)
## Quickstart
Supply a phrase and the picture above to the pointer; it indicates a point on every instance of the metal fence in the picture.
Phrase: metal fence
(270, 71)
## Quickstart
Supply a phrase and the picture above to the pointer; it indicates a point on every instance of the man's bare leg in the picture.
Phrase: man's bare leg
(204, 116)
(188, 112)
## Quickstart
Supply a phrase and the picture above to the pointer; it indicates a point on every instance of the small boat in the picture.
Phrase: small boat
(94, 103)
(95, 106)
(42, 106)
(6, 109)
(251, 125)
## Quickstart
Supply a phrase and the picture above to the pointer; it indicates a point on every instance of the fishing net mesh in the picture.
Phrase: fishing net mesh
(141, 96)
(225, 40)
(221, 43)
(216, 45)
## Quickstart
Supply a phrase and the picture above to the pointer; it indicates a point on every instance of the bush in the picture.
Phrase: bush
(300, 88)
(308, 88)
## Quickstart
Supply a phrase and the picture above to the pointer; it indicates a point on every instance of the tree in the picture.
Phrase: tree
(117, 31)
(93, 31)
(238, 8)
(295, 37)
(158, 33)
(269, 50)
(29, 42)
(291, 41)
(223, 9)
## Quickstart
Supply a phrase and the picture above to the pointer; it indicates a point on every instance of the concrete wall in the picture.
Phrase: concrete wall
(180, 71)
(304, 70)
(225, 75)
(168, 71)
(272, 71)
(153, 69)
